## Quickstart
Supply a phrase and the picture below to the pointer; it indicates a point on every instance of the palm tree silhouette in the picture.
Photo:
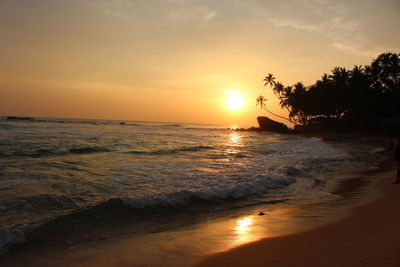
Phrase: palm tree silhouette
(261, 101)
(277, 88)
(324, 80)
(360, 96)
(269, 79)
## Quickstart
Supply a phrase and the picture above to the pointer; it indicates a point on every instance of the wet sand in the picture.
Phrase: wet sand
(370, 236)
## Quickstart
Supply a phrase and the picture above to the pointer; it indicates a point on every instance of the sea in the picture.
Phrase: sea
(75, 180)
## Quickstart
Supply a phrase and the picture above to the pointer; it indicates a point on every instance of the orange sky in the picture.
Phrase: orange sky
(177, 60)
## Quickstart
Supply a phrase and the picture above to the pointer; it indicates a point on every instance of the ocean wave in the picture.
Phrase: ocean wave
(42, 202)
(171, 151)
(15, 126)
(291, 170)
(127, 207)
(223, 194)
(80, 121)
(51, 152)
(87, 150)
(259, 185)
(7, 126)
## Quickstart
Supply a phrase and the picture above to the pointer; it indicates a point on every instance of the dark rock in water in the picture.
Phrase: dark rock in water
(266, 124)
(254, 129)
(122, 123)
(261, 213)
(251, 129)
(13, 118)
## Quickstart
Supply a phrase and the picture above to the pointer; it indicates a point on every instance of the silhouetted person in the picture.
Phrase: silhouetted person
(397, 159)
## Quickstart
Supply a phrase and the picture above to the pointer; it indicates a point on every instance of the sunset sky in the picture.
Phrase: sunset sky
(178, 60)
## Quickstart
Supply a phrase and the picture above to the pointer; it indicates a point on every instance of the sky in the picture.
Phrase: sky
(178, 60)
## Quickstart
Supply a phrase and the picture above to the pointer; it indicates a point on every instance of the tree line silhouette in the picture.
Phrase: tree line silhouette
(361, 97)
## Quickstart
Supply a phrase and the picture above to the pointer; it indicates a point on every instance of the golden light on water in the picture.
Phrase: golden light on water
(243, 225)
(243, 229)
(235, 139)
(234, 142)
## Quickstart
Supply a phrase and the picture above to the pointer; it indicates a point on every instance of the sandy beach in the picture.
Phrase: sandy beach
(368, 237)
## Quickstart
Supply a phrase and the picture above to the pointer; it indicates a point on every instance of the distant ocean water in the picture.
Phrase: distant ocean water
(54, 167)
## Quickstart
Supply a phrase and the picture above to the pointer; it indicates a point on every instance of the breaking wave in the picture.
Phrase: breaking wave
(12, 236)
(172, 151)
(49, 152)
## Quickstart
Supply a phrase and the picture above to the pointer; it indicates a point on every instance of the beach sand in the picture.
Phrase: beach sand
(370, 236)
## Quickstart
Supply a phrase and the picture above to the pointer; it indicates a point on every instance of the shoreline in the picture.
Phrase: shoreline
(367, 237)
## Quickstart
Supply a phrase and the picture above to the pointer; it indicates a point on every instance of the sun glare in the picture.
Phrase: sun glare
(235, 102)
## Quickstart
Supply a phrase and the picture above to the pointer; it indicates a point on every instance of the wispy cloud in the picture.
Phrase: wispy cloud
(120, 9)
(285, 22)
(356, 48)
(341, 23)
(210, 15)
(159, 12)
(191, 15)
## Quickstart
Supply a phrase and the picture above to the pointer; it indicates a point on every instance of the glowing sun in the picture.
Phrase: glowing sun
(235, 102)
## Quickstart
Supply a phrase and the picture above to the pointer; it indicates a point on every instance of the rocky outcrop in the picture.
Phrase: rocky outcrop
(266, 124)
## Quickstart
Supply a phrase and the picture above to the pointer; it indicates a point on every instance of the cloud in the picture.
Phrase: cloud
(183, 12)
(210, 15)
(190, 15)
(347, 26)
(357, 48)
(285, 22)
(119, 9)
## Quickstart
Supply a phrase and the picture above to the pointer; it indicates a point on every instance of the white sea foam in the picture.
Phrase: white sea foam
(258, 185)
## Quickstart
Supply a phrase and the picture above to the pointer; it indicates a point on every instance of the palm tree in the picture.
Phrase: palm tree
(261, 101)
(324, 80)
(269, 79)
(339, 75)
(285, 96)
(294, 99)
(279, 89)
(385, 70)
(361, 95)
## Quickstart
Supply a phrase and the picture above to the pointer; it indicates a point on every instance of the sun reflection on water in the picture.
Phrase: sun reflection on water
(234, 142)
(235, 139)
(243, 229)
(242, 225)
